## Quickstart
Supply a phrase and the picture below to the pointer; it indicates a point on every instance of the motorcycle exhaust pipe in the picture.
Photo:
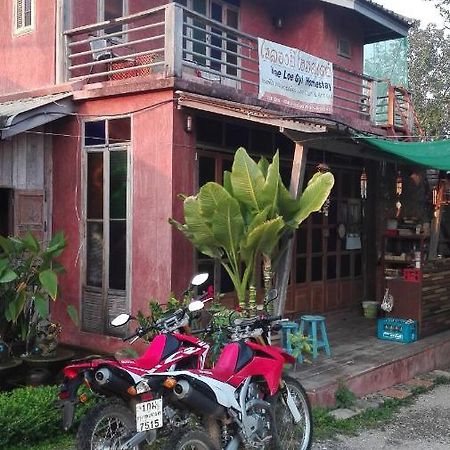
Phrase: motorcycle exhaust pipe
(105, 378)
(195, 399)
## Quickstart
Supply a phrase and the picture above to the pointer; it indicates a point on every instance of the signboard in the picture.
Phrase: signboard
(290, 77)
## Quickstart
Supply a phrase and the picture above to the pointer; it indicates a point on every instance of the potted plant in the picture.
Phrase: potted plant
(28, 282)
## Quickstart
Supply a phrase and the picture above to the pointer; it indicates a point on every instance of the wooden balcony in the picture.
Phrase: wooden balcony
(174, 42)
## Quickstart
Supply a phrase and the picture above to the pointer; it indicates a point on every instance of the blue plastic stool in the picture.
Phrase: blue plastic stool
(308, 326)
(287, 329)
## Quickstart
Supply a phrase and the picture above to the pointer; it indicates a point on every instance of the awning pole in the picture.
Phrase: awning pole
(285, 263)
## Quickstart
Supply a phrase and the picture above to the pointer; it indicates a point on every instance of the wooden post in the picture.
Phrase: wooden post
(284, 268)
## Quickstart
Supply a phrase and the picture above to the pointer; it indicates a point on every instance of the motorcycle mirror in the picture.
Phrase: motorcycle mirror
(199, 279)
(120, 320)
(196, 305)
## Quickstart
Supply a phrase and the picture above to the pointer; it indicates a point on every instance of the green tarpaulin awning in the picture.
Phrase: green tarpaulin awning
(435, 155)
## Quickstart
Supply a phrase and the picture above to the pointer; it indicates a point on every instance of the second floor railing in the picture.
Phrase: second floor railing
(173, 41)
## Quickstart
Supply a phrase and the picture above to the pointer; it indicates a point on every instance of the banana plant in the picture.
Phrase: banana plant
(245, 218)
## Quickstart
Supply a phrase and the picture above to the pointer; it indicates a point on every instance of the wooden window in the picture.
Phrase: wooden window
(344, 47)
(24, 16)
(106, 224)
(208, 45)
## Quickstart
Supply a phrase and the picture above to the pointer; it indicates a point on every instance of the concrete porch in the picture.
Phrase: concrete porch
(366, 364)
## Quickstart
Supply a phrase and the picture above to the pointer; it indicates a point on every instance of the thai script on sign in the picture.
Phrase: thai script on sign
(294, 78)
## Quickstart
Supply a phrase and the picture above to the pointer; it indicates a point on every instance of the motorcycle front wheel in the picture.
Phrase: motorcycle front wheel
(291, 435)
(105, 426)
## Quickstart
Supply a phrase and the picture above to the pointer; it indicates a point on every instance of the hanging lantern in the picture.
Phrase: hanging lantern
(363, 183)
(399, 184)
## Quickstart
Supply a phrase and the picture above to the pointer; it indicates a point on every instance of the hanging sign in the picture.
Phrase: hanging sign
(290, 77)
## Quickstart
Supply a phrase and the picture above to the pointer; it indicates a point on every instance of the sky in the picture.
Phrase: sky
(415, 9)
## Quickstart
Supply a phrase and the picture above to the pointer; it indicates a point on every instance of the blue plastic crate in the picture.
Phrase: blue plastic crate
(398, 330)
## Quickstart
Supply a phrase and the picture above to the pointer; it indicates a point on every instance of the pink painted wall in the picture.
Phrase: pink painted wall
(152, 190)
(309, 26)
(28, 60)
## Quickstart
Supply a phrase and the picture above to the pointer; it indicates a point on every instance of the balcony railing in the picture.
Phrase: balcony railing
(173, 41)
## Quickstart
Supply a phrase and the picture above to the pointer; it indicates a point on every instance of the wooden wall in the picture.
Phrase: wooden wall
(435, 297)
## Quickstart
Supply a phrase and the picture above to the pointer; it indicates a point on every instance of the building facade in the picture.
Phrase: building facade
(111, 108)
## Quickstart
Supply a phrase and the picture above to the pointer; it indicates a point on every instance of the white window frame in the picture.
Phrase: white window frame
(25, 28)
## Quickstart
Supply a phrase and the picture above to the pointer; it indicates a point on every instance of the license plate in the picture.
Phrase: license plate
(149, 415)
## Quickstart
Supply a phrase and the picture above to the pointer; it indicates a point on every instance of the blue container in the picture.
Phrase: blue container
(398, 330)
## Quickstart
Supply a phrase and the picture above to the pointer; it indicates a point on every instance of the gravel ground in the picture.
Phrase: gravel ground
(425, 425)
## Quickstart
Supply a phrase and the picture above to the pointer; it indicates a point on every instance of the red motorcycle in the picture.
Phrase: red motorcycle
(123, 383)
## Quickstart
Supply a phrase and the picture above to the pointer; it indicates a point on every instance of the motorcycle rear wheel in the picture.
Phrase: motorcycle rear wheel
(196, 439)
(103, 427)
(292, 436)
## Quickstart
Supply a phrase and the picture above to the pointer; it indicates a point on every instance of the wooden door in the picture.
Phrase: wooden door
(29, 213)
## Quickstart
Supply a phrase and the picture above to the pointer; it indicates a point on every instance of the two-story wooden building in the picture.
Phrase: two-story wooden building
(110, 108)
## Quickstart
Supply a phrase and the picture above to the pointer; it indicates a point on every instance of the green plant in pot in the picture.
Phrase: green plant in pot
(28, 282)
(243, 221)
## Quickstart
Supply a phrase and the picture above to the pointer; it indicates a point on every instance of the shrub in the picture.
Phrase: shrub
(29, 415)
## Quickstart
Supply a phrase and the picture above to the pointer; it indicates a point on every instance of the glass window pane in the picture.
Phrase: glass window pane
(300, 276)
(118, 185)
(332, 240)
(227, 164)
(345, 266)
(95, 186)
(94, 133)
(119, 130)
(262, 142)
(206, 170)
(302, 235)
(232, 18)
(117, 254)
(94, 254)
(331, 267)
(316, 240)
(316, 268)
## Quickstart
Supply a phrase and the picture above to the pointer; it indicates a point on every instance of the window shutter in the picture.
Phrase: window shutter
(27, 12)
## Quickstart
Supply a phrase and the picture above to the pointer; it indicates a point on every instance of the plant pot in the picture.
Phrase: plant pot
(370, 309)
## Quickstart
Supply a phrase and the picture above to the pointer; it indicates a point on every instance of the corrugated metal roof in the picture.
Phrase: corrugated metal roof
(23, 114)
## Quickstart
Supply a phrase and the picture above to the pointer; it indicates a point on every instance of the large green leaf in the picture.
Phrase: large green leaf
(197, 229)
(287, 204)
(73, 314)
(263, 164)
(31, 243)
(7, 275)
(247, 180)
(16, 307)
(228, 227)
(211, 198)
(49, 282)
(269, 194)
(227, 182)
(56, 245)
(314, 196)
(6, 245)
(263, 238)
(41, 305)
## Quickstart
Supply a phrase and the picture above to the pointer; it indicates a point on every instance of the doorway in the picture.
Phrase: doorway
(6, 216)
